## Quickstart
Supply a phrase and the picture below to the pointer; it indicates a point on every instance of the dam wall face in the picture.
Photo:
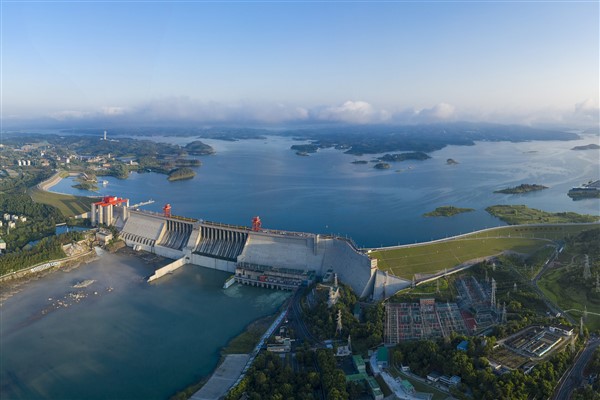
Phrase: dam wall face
(284, 251)
(352, 267)
(167, 252)
(224, 247)
(213, 263)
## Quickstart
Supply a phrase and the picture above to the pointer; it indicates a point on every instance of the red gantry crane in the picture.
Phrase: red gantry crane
(256, 224)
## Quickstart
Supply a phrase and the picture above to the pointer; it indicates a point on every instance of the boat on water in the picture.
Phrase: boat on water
(104, 183)
(585, 191)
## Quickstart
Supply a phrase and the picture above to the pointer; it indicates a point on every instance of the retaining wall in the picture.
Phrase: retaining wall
(159, 273)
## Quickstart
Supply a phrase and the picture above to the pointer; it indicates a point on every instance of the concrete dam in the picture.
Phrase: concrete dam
(261, 257)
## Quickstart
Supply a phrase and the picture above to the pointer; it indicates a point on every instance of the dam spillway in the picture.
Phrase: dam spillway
(230, 248)
(222, 243)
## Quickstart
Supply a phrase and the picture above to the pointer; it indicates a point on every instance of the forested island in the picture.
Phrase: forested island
(524, 188)
(450, 161)
(198, 148)
(360, 162)
(181, 173)
(521, 214)
(305, 148)
(381, 165)
(423, 138)
(416, 155)
(591, 146)
(86, 185)
(447, 211)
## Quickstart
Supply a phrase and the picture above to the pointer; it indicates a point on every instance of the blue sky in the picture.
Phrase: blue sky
(276, 62)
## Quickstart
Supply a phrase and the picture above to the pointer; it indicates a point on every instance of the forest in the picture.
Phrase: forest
(315, 375)
(49, 248)
(478, 380)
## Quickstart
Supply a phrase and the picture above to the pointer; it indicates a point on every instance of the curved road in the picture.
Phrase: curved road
(574, 376)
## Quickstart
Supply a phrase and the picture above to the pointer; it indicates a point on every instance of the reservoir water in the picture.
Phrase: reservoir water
(123, 338)
(326, 193)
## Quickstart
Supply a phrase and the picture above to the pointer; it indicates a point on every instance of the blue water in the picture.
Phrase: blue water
(326, 193)
(126, 339)
(64, 229)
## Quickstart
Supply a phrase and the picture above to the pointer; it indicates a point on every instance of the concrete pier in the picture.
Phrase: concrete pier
(159, 273)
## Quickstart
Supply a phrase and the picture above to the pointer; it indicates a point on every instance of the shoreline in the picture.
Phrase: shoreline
(252, 332)
(50, 182)
(12, 286)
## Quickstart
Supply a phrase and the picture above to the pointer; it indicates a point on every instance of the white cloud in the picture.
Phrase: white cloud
(357, 112)
(113, 111)
(439, 112)
(588, 108)
(70, 114)
(185, 109)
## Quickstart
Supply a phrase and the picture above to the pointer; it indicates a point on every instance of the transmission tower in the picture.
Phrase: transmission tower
(515, 287)
(597, 282)
(493, 298)
(503, 313)
(587, 274)
(581, 326)
(339, 322)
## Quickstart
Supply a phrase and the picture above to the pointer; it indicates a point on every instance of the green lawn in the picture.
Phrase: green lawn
(569, 297)
(434, 257)
(429, 258)
(68, 205)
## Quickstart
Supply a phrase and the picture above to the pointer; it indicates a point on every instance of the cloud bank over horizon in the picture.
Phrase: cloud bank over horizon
(185, 110)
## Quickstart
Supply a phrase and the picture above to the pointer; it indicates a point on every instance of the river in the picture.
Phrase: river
(121, 338)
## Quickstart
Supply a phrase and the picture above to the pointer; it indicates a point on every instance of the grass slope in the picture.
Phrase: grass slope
(68, 205)
(429, 258)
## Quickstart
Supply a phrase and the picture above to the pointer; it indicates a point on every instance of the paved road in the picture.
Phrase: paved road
(573, 377)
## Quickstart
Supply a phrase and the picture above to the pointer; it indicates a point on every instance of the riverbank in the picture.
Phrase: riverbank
(238, 349)
(16, 282)
(53, 180)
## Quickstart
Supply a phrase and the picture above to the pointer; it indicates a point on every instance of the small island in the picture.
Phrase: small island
(416, 155)
(524, 188)
(302, 153)
(360, 162)
(86, 181)
(181, 173)
(591, 146)
(305, 148)
(521, 214)
(199, 148)
(381, 165)
(450, 161)
(447, 211)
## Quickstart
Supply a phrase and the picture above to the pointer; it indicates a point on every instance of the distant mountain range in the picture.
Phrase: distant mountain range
(359, 139)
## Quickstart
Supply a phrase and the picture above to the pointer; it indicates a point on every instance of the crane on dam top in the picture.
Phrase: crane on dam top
(167, 210)
(256, 224)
